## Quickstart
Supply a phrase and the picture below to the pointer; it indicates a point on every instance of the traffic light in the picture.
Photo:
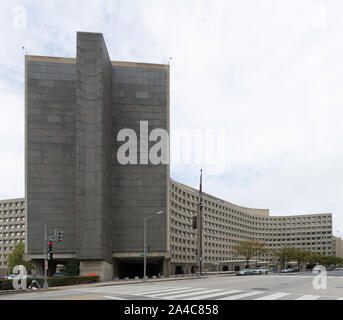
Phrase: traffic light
(59, 235)
(148, 248)
(196, 251)
(49, 250)
(194, 222)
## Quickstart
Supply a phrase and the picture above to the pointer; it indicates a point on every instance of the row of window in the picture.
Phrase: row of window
(12, 219)
(12, 226)
(11, 241)
(6, 234)
(17, 211)
(12, 204)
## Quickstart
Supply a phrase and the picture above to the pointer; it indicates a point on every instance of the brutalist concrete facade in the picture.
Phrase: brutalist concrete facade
(74, 111)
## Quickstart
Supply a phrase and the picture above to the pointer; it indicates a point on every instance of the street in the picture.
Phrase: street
(294, 286)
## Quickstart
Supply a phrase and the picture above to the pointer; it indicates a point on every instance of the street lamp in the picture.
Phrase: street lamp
(145, 220)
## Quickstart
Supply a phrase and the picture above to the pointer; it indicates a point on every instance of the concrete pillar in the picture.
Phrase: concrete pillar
(115, 268)
(167, 268)
(101, 268)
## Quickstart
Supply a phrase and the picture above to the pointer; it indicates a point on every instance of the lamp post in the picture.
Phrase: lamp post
(145, 220)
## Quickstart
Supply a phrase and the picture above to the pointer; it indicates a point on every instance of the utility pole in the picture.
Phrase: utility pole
(200, 255)
(58, 236)
(144, 274)
(45, 284)
(145, 244)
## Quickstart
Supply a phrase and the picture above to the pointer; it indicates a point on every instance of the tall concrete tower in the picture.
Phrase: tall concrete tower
(74, 111)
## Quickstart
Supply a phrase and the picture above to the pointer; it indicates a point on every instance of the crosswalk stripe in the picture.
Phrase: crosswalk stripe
(240, 296)
(114, 298)
(175, 292)
(183, 295)
(207, 296)
(273, 296)
(160, 290)
(308, 297)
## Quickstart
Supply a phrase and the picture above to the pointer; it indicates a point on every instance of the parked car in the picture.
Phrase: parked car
(339, 269)
(244, 272)
(286, 270)
(260, 270)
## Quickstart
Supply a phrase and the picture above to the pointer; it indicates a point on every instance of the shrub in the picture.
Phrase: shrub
(72, 268)
(54, 282)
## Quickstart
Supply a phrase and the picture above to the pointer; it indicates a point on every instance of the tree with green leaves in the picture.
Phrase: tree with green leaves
(15, 258)
(249, 249)
(299, 255)
(283, 255)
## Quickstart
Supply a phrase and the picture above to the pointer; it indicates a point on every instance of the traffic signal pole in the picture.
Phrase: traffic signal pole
(45, 284)
(58, 236)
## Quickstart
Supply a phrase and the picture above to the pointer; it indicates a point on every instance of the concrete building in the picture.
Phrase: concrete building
(226, 224)
(338, 242)
(75, 108)
(12, 228)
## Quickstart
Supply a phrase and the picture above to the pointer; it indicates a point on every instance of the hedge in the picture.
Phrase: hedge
(53, 282)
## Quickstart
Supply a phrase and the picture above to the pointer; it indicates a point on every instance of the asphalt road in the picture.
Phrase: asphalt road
(293, 286)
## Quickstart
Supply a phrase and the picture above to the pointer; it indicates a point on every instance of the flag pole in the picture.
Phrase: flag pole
(200, 226)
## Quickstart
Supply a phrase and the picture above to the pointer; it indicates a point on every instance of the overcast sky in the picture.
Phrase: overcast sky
(265, 75)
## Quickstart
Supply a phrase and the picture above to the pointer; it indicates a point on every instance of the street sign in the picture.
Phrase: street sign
(141, 255)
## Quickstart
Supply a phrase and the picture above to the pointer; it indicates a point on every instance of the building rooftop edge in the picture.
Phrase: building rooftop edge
(264, 212)
(114, 63)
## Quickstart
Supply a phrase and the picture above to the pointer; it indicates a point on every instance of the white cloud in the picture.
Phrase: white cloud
(268, 72)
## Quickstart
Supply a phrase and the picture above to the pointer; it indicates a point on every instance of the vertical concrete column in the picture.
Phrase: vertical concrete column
(93, 151)
(115, 263)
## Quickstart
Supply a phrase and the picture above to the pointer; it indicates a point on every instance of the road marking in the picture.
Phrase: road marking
(308, 297)
(273, 296)
(114, 298)
(207, 296)
(240, 296)
(87, 297)
(175, 292)
(191, 294)
(160, 290)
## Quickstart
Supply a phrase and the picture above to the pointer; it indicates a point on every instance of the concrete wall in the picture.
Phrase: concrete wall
(140, 93)
(93, 147)
(50, 151)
